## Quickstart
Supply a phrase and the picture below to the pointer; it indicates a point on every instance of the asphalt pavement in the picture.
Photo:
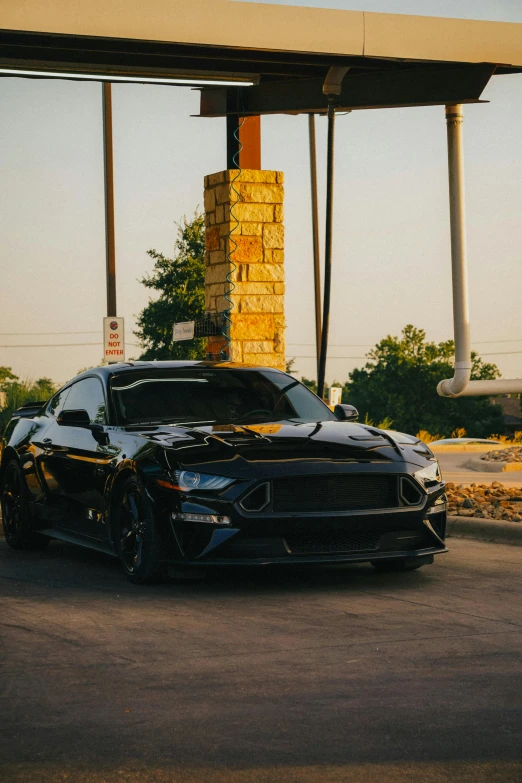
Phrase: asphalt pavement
(306, 675)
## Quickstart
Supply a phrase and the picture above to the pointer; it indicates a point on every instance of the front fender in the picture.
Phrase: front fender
(148, 473)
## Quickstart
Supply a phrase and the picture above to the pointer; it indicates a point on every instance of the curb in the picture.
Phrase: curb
(484, 466)
(485, 530)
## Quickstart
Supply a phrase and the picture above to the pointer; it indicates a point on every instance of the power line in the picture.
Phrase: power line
(330, 357)
(496, 353)
(367, 345)
(484, 342)
(50, 345)
(302, 345)
(295, 356)
(500, 353)
(47, 334)
(60, 345)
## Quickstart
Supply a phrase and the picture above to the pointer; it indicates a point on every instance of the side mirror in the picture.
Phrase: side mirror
(81, 418)
(78, 418)
(346, 412)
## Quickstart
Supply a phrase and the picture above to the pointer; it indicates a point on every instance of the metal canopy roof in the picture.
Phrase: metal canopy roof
(226, 37)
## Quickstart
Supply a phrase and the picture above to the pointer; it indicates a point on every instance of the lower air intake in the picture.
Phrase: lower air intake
(331, 543)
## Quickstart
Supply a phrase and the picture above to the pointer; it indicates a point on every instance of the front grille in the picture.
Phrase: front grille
(331, 543)
(335, 492)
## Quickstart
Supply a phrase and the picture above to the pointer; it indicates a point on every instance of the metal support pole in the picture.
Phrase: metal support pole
(327, 248)
(110, 245)
(315, 235)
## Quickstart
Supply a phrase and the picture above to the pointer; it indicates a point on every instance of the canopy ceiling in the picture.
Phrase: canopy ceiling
(394, 60)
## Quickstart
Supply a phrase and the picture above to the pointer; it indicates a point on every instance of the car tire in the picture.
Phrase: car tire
(136, 535)
(401, 564)
(17, 520)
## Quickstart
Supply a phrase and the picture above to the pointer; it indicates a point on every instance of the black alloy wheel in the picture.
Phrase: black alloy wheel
(137, 539)
(16, 515)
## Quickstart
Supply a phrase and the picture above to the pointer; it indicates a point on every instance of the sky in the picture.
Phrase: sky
(489, 10)
(391, 252)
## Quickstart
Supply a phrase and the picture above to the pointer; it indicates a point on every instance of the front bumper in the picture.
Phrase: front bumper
(307, 538)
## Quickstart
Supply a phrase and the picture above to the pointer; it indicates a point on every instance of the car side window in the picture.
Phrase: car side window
(58, 401)
(87, 395)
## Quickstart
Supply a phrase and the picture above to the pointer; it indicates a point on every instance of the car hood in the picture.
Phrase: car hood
(237, 448)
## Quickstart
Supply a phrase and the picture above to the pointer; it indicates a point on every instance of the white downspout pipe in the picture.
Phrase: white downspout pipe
(459, 272)
(460, 385)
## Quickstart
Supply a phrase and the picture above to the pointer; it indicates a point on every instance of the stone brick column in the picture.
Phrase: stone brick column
(244, 218)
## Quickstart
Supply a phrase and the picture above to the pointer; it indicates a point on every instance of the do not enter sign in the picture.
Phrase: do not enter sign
(113, 339)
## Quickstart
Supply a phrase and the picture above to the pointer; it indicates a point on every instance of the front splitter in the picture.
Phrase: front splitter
(363, 557)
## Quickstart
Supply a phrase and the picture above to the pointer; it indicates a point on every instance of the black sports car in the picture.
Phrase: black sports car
(184, 463)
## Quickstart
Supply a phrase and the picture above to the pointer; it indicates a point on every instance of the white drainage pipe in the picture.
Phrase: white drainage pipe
(461, 385)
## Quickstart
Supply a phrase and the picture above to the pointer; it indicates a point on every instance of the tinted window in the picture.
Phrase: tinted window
(87, 395)
(58, 401)
(216, 396)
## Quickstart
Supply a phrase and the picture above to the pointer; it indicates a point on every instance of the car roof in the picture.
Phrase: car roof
(108, 370)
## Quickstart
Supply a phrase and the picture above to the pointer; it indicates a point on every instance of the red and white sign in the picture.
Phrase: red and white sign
(113, 339)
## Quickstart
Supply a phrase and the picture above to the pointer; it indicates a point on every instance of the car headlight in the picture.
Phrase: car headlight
(188, 480)
(429, 475)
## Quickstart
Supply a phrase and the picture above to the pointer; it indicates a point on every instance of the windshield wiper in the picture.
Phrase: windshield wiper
(169, 422)
(142, 423)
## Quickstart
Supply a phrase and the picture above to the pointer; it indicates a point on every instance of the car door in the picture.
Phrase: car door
(80, 461)
(46, 483)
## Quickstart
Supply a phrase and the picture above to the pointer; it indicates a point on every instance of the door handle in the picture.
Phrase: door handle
(47, 444)
(47, 440)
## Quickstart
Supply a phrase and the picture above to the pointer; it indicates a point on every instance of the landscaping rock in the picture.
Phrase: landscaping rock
(509, 454)
(486, 501)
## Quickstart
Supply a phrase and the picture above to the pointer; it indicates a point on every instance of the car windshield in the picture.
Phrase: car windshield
(213, 396)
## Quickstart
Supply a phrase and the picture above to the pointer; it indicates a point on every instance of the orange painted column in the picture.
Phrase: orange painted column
(243, 142)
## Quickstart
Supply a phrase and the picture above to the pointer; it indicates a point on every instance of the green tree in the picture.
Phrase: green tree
(15, 392)
(181, 285)
(400, 382)
(6, 374)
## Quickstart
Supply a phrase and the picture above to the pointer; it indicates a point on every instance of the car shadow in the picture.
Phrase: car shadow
(64, 565)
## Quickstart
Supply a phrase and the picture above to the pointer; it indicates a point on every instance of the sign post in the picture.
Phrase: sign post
(113, 340)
